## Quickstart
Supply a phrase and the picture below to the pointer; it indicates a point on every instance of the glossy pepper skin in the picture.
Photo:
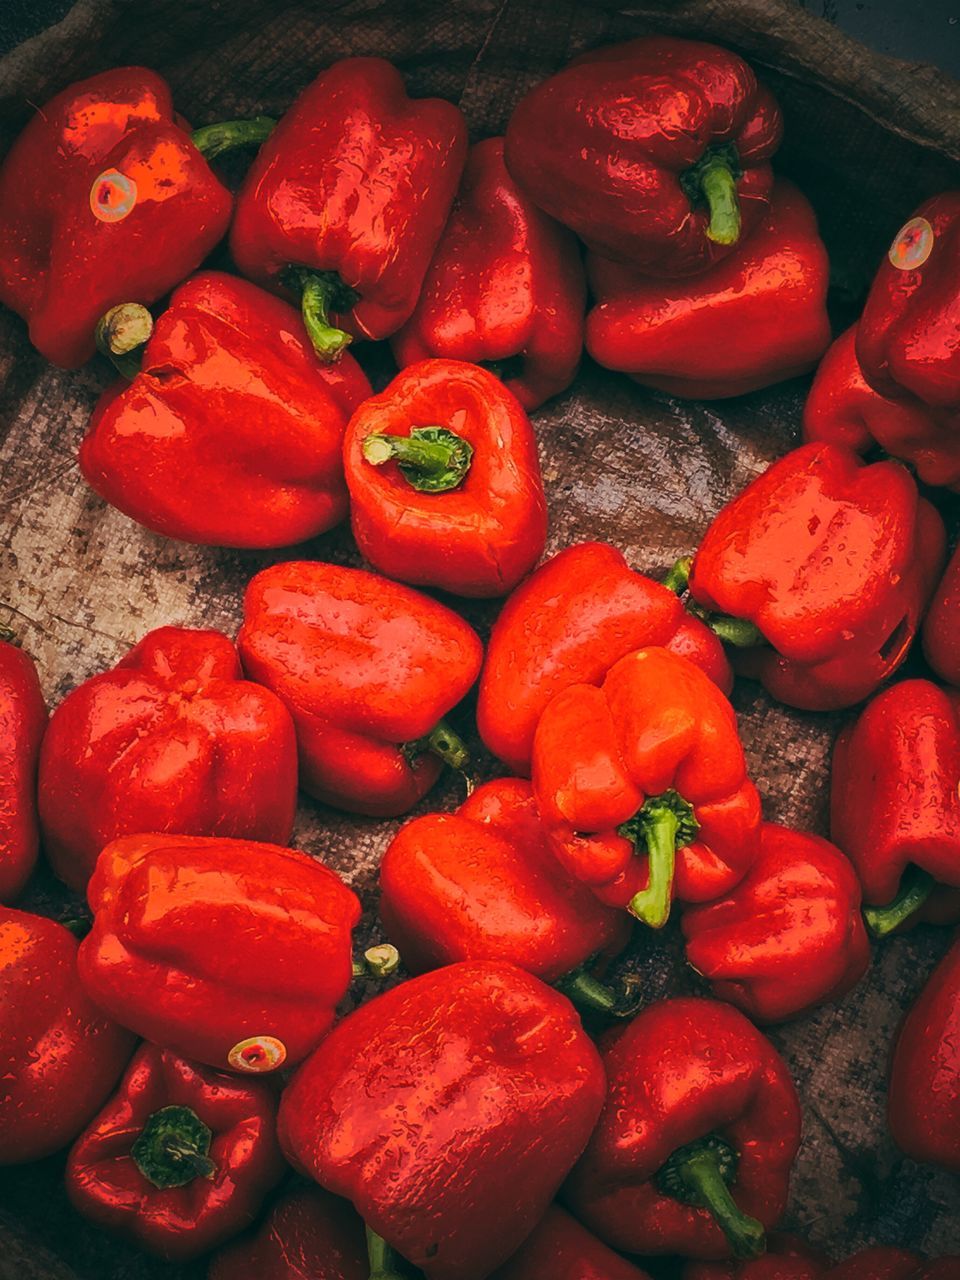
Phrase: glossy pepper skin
(692, 1086)
(367, 668)
(232, 432)
(307, 1235)
(880, 1263)
(833, 561)
(643, 786)
(230, 952)
(458, 1100)
(444, 480)
(655, 152)
(787, 1258)
(505, 288)
(561, 1249)
(789, 936)
(755, 318)
(171, 739)
(941, 626)
(181, 1157)
(23, 719)
(571, 620)
(60, 1055)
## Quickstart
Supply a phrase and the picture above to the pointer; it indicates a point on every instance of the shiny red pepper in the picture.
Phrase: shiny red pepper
(448, 1110)
(59, 1055)
(643, 786)
(655, 152)
(941, 626)
(23, 719)
(561, 1249)
(789, 936)
(307, 1235)
(180, 1159)
(694, 1147)
(832, 562)
(232, 432)
(171, 739)
(345, 204)
(230, 952)
(367, 668)
(568, 624)
(505, 288)
(787, 1258)
(754, 319)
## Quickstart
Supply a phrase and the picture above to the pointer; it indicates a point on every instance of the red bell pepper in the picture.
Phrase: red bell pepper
(367, 668)
(693, 1150)
(755, 318)
(830, 562)
(448, 1110)
(505, 288)
(345, 204)
(568, 624)
(444, 480)
(171, 739)
(232, 953)
(23, 719)
(787, 1258)
(561, 1249)
(59, 1055)
(789, 936)
(655, 152)
(941, 626)
(232, 433)
(180, 1159)
(883, 1263)
(643, 786)
(106, 198)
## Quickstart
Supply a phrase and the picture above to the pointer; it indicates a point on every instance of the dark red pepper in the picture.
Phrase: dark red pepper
(941, 626)
(23, 719)
(794, 1261)
(883, 1263)
(787, 1258)
(561, 1249)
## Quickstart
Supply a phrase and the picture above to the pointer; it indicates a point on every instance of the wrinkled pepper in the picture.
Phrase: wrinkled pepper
(231, 434)
(444, 480)
(448, 1110)
(171, 739)
(693, 1150)
(23, 719)
(368, 670)
(561, 1249)
(59, 1055)
(655, 152)
(572, 619)
(180, 1159)
(941, 626)
(232, 953)
(787, 1258)
(344, 205)
(505, 288)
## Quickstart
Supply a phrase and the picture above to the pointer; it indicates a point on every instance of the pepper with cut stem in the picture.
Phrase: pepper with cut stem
(383, 1259)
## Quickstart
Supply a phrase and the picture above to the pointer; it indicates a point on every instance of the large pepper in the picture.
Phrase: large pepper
(59, 1055)
(832, 562)
(655, 152)
(23, 719)
(232, 953)
(444, 480)
(232, 432)
(789, 936)
(180, 1159)
(643, 786)
(106, 198)
(307, 1235)
(787, 1258)
(941, 626)
(693, 1150)
(505, 288)
(345, 204)
(561, 1249)
(367, 668)
(171, 739)
(448, 1110)
(568, 624)
(754, 319)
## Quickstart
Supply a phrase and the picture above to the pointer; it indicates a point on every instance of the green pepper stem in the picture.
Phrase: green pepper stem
(319, 291)
(382, 960)
(8, 634)
(213, 140)
(449, 746)
(120, 334)
(701, 1174)
(739, 632)
(719, 186)
(679, 575)
(382, 1259)
(915, 888)
(431, 459)
(587, 993)
(652, 904)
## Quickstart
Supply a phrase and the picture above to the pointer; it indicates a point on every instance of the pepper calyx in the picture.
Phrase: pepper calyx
(663, 824)
(172, 1148)
(700, 1174)
(431, 459)
(712, 181)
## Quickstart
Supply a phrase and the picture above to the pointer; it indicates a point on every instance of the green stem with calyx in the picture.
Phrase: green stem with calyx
(382, 1259)
(915, 888)
(172, 1148)
(121, 334)
(213, 140)
(679, 575)
(431, 459)
(587, 993)
(699, 1174)
(713, 181)
(322, 292)
(663, 825)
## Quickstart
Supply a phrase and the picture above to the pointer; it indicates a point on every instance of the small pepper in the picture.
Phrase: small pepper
(448, 1110)
(171, 739)
(787, 1258)
(505, 289)
(642, 785)
(444, 480)
(561, 1249)
(368, 669)
(572, 619)
(232, 953)
(59, 1055)
(344, 205)
(655, 152)
(231, 433)
(941, 626)
(693, 1150)
(23, 719)
(755, 318)
(180, 1159)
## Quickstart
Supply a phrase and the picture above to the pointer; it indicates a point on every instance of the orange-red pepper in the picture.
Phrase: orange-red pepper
(23, 719)
(941, 626)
